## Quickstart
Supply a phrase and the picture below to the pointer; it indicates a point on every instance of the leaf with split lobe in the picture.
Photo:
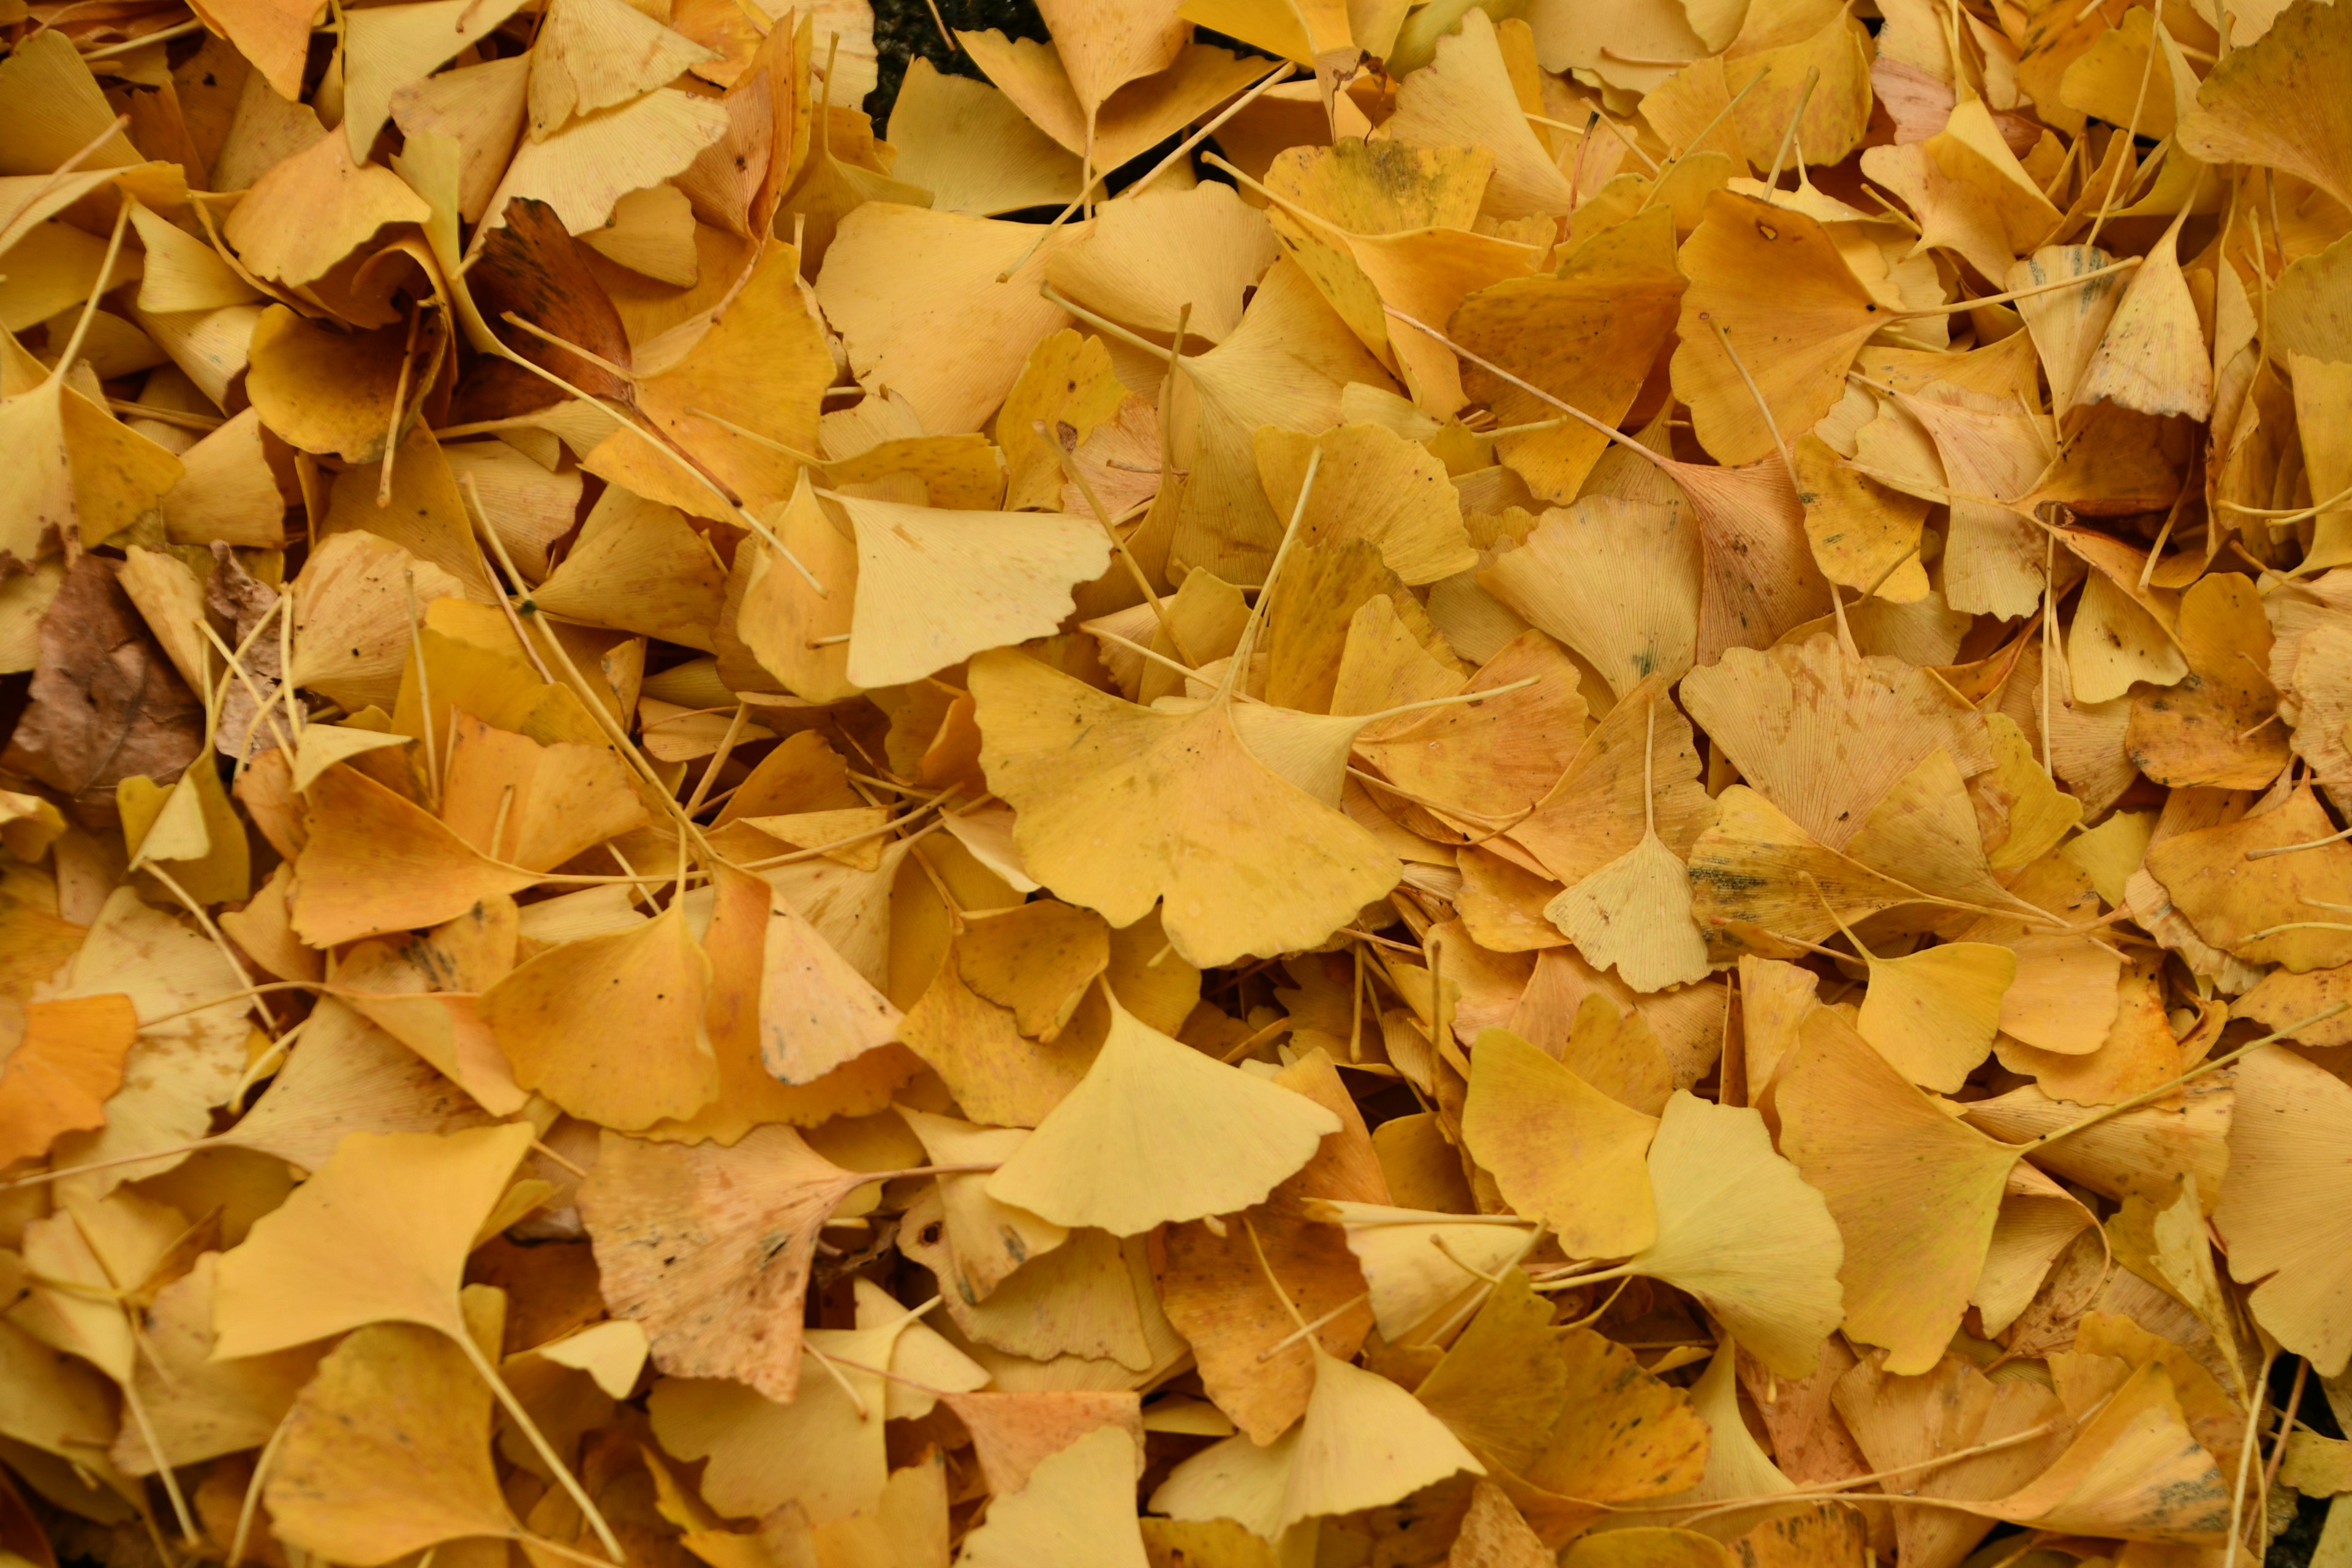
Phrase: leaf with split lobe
(1159, 1131)
(378, 1234)
(1122, 806)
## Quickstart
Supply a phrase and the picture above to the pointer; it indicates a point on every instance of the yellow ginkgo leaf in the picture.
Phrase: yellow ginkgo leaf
(387, 1452)
(2133, 1471)
(376, 862)
(611, 1027)
(1157, 1131)
(1740, 1229)
(1560, 1150)
(2277, 101)
(393, 53)
(1736, 1465)
(1363, 1442)
(66, 1064)
(1797, 338)
(529, 804)
(1122, 806)
(982, 580)
(594, 54)
(1634, 913)
(1037, 959)
(1616, 580)
(2153, 356)
(823, 1454)
(638, 567)
(1077, 1512)
(1371, 483)
(988, 1240)
(1933, 1013)
(1915, 1193)
(2283, 1201)
(1823, 735)
(197, 1407)
(379, 1233)
(1414, 1260)
(816, 1012)
(321, 746)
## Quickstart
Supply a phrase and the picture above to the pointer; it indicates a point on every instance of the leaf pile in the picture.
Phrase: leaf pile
(1580, 798)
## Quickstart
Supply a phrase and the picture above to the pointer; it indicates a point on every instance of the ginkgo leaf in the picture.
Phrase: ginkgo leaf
(1914, 1192)
(2233, 901)
(378, 1234)
(1157, 1132)
(1185, 813)
(711, 1248)
(2152, 356)
(990, 1240)
(594, 54)
(2278, 1203)
(1796, 338)
(376, 862)
(636, 566)
(2275, 103)
(529, 804)
(1012, 1434)
(955, 355)
(1077, 1512)
(400, 45)
(313, 209)
(349, 1077)
(65, 1065)
(1739, 1228)
(197, 1407)
(388, 1450)
(1907, 1420)
(1634, 913)
(1560, 1150)
(821, 1455)
(1078, 1299)
(1370, 484)
(2133, 1471)
(1037, 959)
(1622, 778)
(1363, 1442)
(983, 580)
(611, 1027)
(1421, 1265)
(1616, 580)
(1933, 1014)
(1824, 735)
(1238, 1298)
